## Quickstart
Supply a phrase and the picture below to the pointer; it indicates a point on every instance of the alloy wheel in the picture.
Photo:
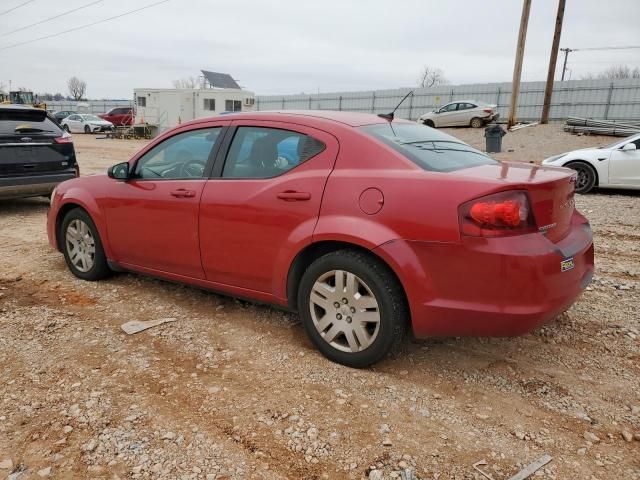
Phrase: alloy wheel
(344, 311)
(81, 245)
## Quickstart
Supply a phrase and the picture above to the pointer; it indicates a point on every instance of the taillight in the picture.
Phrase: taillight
(500, 214)
(488, 110)
(65, 138)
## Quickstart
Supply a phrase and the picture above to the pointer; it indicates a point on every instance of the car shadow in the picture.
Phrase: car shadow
(24, 205)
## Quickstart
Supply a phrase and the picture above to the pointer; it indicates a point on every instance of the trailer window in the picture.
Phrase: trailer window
(233, 105)
(209, 104)
(142, 101)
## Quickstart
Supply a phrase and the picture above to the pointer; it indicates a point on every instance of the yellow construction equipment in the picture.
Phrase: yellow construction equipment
(22, 97)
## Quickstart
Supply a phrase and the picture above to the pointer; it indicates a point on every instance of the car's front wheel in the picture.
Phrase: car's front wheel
(66, 127)
(429, 123)
(82, 247)
(352, 308)
(586, 178)
(87, 129)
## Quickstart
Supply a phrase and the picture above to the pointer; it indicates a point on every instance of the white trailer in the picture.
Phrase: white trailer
(168, 107)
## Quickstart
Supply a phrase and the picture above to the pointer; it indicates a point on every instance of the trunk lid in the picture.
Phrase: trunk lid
(550, 190)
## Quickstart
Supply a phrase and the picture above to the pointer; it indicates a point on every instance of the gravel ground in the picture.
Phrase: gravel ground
(233, 390)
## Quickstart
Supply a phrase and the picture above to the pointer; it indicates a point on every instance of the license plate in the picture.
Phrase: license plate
(25, 152)
(567, 264)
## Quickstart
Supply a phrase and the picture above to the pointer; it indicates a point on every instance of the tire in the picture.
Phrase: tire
(476, 122)
(376, 299)
(586, 176)
(74, 236)
(87, 129)
(429, 123)
(66, 128)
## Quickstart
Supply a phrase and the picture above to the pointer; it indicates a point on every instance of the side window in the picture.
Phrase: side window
(142, 101)
(258, 152)
(449, 108)
(637, 142)
(74, 117)
(184, 155)
(233, 105)
(466, 106)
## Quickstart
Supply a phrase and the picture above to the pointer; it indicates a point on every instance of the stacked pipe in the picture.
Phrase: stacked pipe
(601, 127)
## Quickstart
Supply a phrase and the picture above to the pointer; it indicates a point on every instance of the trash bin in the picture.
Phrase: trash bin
(494, 133)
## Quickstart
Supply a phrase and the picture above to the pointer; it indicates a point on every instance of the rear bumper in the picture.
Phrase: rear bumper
(492, 287)
(35, 186)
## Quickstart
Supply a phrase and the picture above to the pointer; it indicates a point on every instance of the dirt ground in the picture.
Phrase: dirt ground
(231, 390)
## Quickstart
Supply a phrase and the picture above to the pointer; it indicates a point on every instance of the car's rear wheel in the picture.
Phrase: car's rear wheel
(87, 129)
(82, 247)
(66, 127)
(476, 122)
(352, 308)
(586, 178)
(429, 123)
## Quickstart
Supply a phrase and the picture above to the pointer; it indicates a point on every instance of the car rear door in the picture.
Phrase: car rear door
(152, 219)
(263, 202)
(624, 166)
(74, 123)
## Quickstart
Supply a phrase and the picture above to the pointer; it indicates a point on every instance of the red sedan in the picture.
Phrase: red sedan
(366, 227)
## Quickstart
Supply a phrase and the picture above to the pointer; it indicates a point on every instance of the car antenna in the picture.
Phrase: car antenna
(390, 116)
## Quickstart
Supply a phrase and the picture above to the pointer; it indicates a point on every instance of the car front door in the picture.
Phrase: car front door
(624, 166)
(447, 115)
(152, 219)
(264, 203)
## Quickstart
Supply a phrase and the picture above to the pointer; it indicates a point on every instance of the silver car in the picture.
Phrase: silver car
(460, 113)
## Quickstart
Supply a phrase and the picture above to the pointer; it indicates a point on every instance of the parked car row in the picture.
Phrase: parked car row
(73, 121)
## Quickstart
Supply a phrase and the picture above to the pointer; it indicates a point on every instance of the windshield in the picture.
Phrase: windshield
(428, 148)
(92, 118)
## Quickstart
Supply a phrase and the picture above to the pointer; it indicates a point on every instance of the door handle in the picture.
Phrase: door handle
(293, 196)
(183, 193)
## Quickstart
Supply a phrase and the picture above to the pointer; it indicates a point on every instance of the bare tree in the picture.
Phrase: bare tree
(430, 77)
(614, 72)
(77, 88)
(188, 82)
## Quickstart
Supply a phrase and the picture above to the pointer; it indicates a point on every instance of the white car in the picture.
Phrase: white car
(613, 166)
(460, 113)
(86, 123)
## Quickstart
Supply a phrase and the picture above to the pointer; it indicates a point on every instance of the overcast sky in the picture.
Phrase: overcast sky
(294, 46)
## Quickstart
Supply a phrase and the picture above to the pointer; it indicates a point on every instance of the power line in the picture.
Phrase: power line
(83, 26)
(17, 7)
(50, 18)
(603, 48)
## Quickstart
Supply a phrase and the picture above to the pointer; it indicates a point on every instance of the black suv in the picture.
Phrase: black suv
(35, 154)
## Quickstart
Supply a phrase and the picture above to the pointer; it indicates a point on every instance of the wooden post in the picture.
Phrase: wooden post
(517, 69)
(548, 91)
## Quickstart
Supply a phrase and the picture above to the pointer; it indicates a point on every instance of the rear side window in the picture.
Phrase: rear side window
(16, 122)
(258, 152)
(428, 148)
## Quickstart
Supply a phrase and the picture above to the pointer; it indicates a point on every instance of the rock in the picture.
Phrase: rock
(519, 435)
(45, 472)
(582, 451)
(628, 437)
(312, 433)
(384, 428)
(635, 410)
(214, 389)
(90, 446)
(376, 475)
(67, 429)
(387, 443)
(169, 436)
(591, 437)
(6, 464)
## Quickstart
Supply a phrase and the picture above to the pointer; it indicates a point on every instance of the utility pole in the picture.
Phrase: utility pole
(564, 67)
(548, 91)
(517, 69)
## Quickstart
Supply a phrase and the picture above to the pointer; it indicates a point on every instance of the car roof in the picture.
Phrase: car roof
(352, 119)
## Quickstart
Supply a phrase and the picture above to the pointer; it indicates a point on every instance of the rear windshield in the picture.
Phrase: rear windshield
(16, 122)
(428, 148)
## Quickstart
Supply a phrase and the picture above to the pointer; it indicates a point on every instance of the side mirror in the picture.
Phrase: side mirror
(629, 146)
(119, 171)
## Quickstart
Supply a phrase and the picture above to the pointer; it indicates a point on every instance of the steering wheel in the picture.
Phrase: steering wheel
(192, 169)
